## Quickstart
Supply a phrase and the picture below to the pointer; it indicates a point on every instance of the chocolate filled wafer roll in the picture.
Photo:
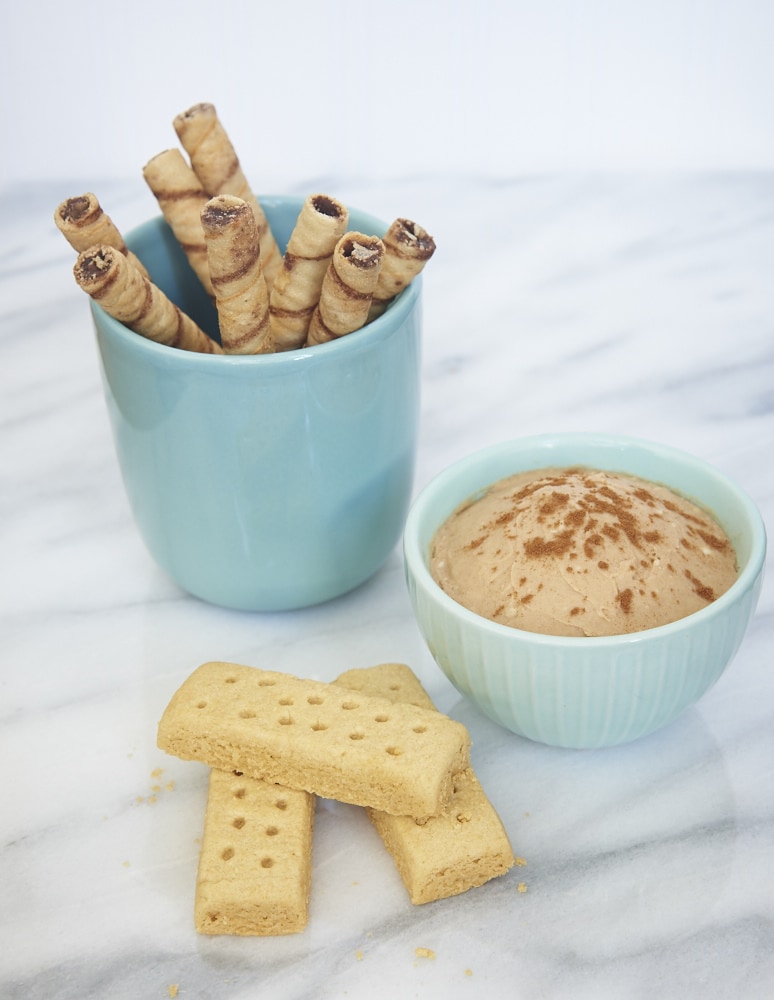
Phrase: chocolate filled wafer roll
(181, 199)
(84, 224)
(217, 166)
(234, 255)
(295, 293)
(127, 295)
(407, 248)
(347, 288)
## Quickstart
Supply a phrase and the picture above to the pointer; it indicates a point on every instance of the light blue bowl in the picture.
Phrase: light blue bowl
(584, 692)
(268, 482)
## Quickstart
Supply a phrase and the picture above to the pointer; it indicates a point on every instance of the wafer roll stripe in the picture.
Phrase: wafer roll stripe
(181, 199)
(217, 166)
(234, 256)
(127, 295)
(83, 223)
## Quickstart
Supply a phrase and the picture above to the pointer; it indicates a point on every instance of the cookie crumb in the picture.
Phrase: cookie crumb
(359, 955)
(519, 862)
(468, 972)
(522, 886)
(424, 953)
(172, 990)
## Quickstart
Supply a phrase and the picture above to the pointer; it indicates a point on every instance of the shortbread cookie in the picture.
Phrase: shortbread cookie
(255, 863)
(449, 854)
(315, 737)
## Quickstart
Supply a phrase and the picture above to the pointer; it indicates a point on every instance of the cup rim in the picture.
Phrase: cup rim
(438, 486)
(373, 333)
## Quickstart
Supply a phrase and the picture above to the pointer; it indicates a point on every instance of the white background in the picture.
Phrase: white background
(309, 89)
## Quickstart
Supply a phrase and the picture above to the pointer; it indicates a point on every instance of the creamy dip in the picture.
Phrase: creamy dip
(579, 552)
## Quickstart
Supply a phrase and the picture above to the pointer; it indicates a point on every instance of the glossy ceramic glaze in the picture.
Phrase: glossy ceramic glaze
(268, 482)
(584, 692)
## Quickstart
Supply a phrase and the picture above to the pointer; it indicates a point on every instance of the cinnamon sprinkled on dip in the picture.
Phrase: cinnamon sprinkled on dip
(579, 552)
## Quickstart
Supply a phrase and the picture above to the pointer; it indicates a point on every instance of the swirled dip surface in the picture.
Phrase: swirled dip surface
(579, 552)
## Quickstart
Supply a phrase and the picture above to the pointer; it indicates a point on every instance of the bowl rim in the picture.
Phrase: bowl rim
(377, 330)
(416, 562)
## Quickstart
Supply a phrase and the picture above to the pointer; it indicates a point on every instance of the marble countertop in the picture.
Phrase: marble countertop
(641, 303)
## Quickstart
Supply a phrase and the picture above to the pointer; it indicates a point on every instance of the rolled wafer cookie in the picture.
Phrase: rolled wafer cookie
(181, 199)
(464, 847)
(84, 224)
(255, 862)
(234, 256)
(127, 295)
(347, 288)
(296, 289)
(407, 248)
(312, 736)
(217, 166)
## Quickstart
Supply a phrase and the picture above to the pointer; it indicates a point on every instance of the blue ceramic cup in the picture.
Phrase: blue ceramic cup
(270, 482)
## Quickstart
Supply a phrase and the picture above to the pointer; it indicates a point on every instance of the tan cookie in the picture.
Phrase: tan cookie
(255, 864)
(312, 736)
(449, 854)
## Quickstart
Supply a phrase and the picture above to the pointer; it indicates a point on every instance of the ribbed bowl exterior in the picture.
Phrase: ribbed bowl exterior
(584, 692)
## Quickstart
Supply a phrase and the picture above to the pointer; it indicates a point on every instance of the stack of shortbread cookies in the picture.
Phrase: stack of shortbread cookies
(274, 742)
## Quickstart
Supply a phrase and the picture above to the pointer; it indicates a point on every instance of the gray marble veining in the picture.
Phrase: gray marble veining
(640, 303)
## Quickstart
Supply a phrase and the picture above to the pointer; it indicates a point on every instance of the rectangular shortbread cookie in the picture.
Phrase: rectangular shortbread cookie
(464, 847)
(255, 862)
(312, 736)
